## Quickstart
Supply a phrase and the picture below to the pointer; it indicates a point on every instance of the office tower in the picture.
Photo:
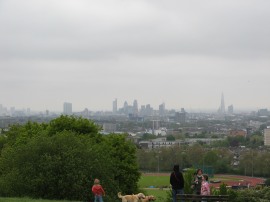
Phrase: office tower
(148, 110)
(180, 116)
(267, 137)
(115, 106)
(162, 109)
(67, 108)
(230, 109)
(135, 107)
(221, 109)
(125, 107)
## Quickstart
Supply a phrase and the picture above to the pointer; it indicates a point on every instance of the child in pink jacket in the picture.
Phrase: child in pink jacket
(205, 188)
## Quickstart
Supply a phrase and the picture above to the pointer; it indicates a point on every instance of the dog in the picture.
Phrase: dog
(148, 198)
(131, 198)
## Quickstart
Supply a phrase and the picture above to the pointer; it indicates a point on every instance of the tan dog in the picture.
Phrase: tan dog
(148, 198)
(131, 198)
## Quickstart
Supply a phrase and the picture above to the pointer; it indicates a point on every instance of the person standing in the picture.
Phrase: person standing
(177, 182)
(205, 188)
(98, 191)
(197, 182)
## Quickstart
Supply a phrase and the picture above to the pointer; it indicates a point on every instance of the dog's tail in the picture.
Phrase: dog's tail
(119, 195)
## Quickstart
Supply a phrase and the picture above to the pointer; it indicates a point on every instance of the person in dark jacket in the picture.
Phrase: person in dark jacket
(177, 182)
(197, 182)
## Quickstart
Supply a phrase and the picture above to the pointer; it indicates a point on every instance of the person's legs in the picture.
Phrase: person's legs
(174, 195)
(100, 199)
(180, 191)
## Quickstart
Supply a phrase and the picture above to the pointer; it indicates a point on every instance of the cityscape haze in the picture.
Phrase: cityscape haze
(182, 53)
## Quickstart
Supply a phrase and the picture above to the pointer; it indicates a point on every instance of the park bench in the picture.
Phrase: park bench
(193, 197)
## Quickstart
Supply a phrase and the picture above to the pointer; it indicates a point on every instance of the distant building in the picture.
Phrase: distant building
(263, 112)
(162, 109)
(109, 127)
(67, 108)
(230, 109)
(221, 109)
(180, 116)
(135, 108)
(148, 110)
(267, 137)
(115, 106)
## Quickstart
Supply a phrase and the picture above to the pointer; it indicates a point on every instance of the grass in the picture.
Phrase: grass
(160, 195)
(156, 181)
(28, 200)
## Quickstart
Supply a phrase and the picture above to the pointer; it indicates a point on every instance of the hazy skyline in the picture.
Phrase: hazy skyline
(183, 53)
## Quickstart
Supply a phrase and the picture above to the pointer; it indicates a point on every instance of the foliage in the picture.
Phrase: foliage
(267, 182)
(223, 189)
(188, 177)
(170, 138)
(244, 195)
(60, 160)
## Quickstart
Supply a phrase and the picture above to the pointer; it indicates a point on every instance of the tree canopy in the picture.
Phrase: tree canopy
(61, 159)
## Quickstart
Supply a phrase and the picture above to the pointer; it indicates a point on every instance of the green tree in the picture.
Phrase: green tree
(57, 162)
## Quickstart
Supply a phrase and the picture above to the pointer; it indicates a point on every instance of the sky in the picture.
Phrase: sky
(184, 53)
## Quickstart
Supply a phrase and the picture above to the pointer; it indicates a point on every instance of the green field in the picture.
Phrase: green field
(156, 181)
(160, 195)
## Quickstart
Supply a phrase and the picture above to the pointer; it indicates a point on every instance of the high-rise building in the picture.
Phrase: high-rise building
(162, 109)
(126, 107)
(115, 106)
(267, 137)
(67, 108)
(221, 109)
(135, 107)
(180, 116)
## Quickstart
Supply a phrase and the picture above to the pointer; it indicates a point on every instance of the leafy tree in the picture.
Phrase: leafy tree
(60, 160)
(170, 138)
(123, 156)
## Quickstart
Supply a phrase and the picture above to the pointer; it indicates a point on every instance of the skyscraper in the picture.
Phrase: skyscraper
(221, 109)
(67, 108)
(162, 109)
(115, 106)
(135, 107)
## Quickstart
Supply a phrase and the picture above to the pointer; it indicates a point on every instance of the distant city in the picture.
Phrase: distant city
(132, 110)
(186, 127)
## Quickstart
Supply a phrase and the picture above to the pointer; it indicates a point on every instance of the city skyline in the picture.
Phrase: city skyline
(182, 53)
(116, 107)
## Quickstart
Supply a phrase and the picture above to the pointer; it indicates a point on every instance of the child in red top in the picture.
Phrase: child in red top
(98, 191)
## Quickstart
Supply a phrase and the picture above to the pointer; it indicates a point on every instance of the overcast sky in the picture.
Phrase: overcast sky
(89, 52)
